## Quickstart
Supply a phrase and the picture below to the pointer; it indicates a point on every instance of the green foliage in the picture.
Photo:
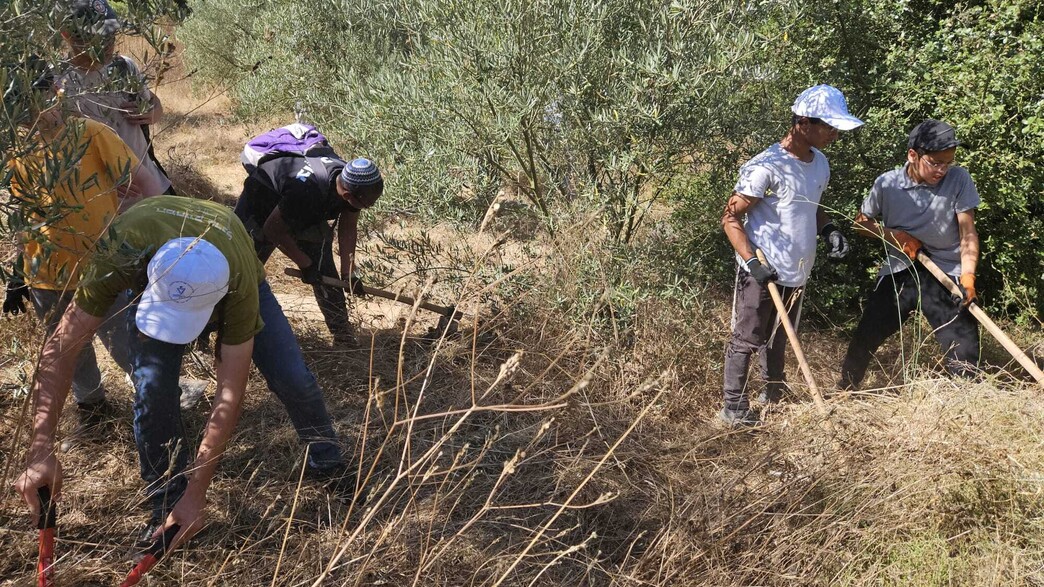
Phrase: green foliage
(974, 65)
(618, 106)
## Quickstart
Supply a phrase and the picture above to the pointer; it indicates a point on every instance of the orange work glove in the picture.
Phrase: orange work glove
(909, 244)
(968, 286)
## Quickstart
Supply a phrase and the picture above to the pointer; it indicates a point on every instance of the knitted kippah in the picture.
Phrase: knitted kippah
(360, 172)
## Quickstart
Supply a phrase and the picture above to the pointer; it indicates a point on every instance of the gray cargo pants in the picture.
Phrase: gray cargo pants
(755, 327)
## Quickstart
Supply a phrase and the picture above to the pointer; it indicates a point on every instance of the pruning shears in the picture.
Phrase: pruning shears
(47, 523)
(152, 556)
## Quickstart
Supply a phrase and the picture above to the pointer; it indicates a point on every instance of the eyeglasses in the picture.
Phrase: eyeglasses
(935, 165)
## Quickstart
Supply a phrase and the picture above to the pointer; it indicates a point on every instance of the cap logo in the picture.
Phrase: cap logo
(180, 292)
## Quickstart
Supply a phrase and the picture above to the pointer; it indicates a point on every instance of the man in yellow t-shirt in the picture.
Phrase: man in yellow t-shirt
(68, 181)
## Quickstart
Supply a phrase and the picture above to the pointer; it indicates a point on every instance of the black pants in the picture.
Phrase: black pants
(892, 303)
(756, 328)
(331, 300)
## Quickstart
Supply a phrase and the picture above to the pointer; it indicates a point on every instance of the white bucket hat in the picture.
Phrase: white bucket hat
(826, 103)
(188, 276)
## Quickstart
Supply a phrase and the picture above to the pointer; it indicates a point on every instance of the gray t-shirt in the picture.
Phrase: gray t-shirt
(783, 223)
(927, 212)
(100, 94)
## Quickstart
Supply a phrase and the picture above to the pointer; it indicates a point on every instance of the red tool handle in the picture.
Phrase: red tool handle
(152, 556)
(47, 523)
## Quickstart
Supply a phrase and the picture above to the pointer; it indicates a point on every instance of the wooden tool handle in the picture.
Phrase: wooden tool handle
(380, 293)
(784, 319)
(1008, 344)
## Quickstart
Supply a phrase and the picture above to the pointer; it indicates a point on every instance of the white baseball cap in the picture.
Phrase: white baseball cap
(188, 276)
(826, 103)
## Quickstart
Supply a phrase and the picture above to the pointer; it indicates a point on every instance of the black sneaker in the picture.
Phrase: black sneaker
(345, 337)
(772, 394)
(738, 418)
(91, 420)
(340, 480)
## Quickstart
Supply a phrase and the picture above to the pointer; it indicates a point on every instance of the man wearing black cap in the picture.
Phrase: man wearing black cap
(103, 85)
(287, 204)
(926, 205)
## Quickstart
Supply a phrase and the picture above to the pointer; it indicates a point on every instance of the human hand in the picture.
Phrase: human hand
(188, 516)
(358, 289)
(311, 274)
(42, 471)
(140, 112)
(967, 286)
(761, 272)
(16, 296)
(836, 241)
(909, 244)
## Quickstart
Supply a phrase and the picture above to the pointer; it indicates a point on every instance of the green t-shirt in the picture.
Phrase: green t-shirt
(122, 258)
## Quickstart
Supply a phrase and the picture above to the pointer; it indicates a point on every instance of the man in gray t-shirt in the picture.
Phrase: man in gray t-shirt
(775, 207)
(926, 205)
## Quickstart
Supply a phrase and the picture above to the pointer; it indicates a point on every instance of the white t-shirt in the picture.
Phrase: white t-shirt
(783, 223)
(100, 94)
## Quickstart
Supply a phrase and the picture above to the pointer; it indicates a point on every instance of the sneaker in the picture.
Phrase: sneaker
(340, 480)
(345, 337)
(91, 419)
(772, 394)
(737, 418)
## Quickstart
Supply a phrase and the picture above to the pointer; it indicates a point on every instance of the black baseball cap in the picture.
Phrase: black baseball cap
(87, 18)
(932, 135)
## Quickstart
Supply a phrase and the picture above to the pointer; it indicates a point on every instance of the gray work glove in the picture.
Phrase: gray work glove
(761, 272)
(835, 240)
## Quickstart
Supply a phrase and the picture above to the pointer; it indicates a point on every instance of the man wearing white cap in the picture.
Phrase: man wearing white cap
(287, 204)
(775, 207)
(193, 263)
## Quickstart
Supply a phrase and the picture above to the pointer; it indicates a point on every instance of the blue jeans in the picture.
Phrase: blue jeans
(86, 385)
(160, 432)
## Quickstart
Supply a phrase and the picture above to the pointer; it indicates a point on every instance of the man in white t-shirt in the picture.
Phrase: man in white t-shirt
(775, 207)
(927, 205)
(102, 85)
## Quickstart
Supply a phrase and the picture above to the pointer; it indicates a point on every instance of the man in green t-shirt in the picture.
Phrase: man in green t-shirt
(192, 263)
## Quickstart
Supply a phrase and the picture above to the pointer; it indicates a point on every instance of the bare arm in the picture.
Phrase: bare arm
(732, 223)
(277, 231)
(54, 373)
(130, 192)
(822, 219)
(232, 371)
(347, 235)
(870, 228)
(151, 115)
(969, 242)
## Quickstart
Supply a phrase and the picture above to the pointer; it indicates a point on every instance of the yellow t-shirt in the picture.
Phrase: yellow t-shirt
(65, 189)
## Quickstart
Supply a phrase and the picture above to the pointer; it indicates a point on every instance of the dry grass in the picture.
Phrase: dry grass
(542, 448)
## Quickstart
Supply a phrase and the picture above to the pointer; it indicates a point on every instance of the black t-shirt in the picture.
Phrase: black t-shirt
(289, 183)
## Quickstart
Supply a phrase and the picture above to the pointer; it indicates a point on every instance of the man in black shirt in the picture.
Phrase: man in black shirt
(287, 204)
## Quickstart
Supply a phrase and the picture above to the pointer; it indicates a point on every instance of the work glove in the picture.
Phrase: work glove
(311, 274)
(761, 273)
(16, 296)
(357, 285)
(967, 286)
(909, 244)
(835, 240)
